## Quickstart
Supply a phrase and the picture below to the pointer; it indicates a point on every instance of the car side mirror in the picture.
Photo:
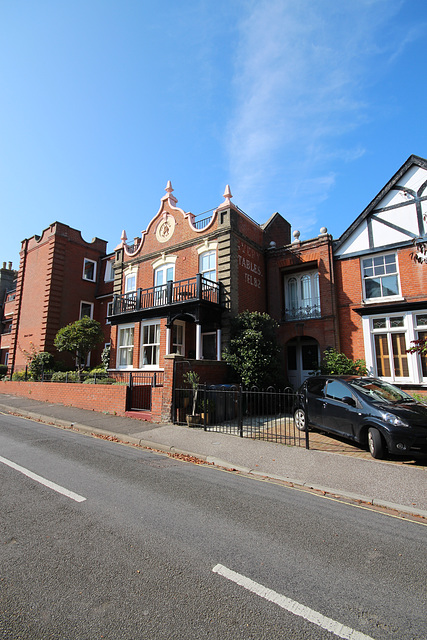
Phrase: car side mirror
(349, 400)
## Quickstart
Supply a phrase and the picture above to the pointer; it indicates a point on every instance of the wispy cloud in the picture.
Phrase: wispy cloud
(301, 76)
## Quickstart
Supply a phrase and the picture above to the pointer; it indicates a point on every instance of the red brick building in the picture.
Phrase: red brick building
(380, 281)
(177, 286)
(61, 278)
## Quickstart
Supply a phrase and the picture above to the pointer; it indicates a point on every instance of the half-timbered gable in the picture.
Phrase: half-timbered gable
(381, 286)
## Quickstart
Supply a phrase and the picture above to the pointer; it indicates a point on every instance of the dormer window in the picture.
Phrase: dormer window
(380, 276)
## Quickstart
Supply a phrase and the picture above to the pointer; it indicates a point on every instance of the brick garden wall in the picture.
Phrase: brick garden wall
(104, 398)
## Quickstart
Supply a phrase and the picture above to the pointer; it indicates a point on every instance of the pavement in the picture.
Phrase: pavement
(330, 466)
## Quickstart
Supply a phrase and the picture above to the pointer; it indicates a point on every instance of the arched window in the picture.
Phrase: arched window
(162, 274)
(207, 265)
(292, 304)
(302, 296)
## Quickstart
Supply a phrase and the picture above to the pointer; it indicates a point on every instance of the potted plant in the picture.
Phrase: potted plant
(207, 409)
(192, 378)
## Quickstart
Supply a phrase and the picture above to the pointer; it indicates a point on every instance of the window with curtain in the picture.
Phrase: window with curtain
(302, 296)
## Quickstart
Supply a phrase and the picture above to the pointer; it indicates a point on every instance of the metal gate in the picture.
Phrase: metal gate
(140, 390)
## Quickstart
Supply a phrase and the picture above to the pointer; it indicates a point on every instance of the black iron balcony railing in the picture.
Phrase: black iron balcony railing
(303, 313)
(182, 291)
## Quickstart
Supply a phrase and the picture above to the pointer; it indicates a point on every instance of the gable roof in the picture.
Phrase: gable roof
(413, 160)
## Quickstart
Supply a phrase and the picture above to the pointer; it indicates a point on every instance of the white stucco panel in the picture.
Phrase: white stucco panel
(358, 241)
(414, 178)
(404, 218)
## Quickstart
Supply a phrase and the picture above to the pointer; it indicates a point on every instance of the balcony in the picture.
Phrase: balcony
(188, 296)
(306, 312)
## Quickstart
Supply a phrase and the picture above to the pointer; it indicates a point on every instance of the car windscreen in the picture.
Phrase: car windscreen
(380, 391)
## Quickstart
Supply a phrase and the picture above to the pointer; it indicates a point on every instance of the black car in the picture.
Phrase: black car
(367, 410)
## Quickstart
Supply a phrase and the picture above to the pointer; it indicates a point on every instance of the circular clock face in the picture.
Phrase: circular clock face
(165, 229)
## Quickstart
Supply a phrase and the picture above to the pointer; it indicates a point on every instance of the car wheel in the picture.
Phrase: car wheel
(375, 443)
(300, 420)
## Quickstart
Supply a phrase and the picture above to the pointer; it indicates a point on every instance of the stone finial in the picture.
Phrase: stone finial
(323, 231)
(169, 196)
(296, 235)
(123, 237)
(227, 195)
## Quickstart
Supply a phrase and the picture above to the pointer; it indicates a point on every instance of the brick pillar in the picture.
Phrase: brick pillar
(168, 385)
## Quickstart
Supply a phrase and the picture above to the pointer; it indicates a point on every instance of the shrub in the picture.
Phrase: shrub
(65, 376)
(19, 375)
(39, 362)
(98, 380)
(254, 352)
(335, 363)
(105, 356)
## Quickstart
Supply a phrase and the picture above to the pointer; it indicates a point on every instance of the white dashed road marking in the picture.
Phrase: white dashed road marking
(46, 483)
(292, 606)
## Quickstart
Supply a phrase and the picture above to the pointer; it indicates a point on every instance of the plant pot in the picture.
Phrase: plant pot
(194, 421)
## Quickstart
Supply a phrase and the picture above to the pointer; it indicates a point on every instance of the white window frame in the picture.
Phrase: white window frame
(298, 307)
(90, 304)
(398, 295)
(130, 282)
(161, 266)
(121, 348)
(110, 306)
(208, 254)
(85, 262)
(109, 271)
(177, 347)
(156, 345)
(419, 328)
(409, 328)
(209, 333)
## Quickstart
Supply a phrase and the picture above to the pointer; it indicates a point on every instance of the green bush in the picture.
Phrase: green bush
(64, 376)
(19, 375)
(39, 362)
(98, 380)
(338, 364)
(254, 352)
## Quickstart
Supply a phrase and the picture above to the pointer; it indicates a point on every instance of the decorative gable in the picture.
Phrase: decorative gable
(395, 217)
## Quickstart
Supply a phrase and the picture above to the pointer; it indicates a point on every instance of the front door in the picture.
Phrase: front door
(302, 359)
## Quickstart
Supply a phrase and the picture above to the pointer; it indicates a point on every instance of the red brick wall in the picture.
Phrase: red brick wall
(51, 287)
(251, 274)
(105, 398)
(413, 281)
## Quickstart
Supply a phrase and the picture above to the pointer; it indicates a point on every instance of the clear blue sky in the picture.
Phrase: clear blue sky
(306, 107)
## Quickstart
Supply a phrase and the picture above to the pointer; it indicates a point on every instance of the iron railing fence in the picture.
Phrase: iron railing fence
(303, 312)
(187, 290)
(265, 414)
(129, 378)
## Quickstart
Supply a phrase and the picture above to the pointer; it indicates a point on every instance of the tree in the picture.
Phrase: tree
(79, 338)
(419, 346)
(192, 378)
(38, 361)
(335, 363)
(254, 352)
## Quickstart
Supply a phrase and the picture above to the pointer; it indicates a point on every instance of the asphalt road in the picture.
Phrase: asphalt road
(150, 547)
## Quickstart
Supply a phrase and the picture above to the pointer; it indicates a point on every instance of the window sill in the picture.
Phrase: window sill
(382, 300)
